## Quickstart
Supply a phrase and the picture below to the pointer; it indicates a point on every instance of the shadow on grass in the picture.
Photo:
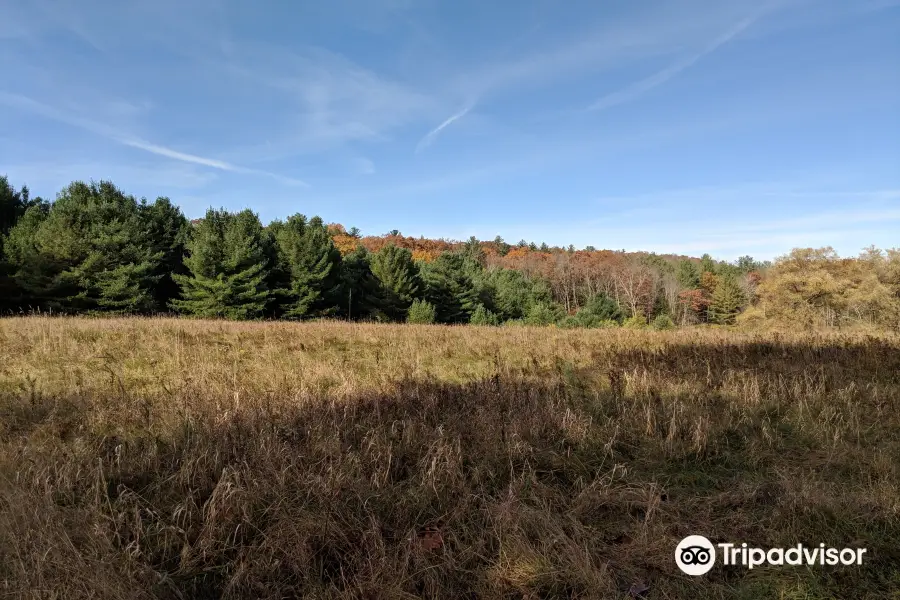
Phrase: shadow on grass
(554, 487)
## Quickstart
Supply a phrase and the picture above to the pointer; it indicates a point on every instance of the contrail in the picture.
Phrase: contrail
(636, 89)
(432, 135)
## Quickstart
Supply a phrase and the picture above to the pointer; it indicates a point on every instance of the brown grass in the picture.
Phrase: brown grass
(162, 458)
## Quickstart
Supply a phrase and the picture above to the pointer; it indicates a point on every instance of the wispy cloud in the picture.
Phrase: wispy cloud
(432, 135)
(611, 43)
(640, 87)
(28, 104)
(330, 101)
(136, 177)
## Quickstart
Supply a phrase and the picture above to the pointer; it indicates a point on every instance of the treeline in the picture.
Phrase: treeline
(97, 250)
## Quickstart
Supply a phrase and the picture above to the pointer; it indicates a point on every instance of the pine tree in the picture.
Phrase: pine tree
(359, 294)
(707, 264)
(544, 314)
(474, 254)
(28, 276)
(688, 275)
(510, 294)
(228, 265)
(88, 251)
(483, 316)
(727, 301)
(421, 312)
(167, 230)
(502, 247)
(310, 267)
(450, 288)
(599, 309)
(394, 268)
(13, 205)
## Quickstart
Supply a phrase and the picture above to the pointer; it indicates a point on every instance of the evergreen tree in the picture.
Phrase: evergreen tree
(483, 316)
(88, 251)
(449, 287)
(707, 264)
(27, 274)
(599, 309)
(360, 291)
(662, 323)
(544, 313)
(399, 280)
(309, 265)
(421, 312)
(745, 264)
(13, 205)
(229, 267)
(688, 275)
(511, 294)
(474, 254)
(727, 301)
(167, 232)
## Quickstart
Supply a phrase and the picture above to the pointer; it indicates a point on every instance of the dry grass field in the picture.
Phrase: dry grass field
(163, 458)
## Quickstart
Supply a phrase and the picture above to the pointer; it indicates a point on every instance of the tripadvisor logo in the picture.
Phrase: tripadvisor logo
(696, 555)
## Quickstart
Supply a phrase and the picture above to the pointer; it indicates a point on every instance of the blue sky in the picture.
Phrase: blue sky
(685, 126)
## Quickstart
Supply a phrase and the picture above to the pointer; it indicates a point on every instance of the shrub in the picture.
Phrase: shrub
(421, 313)
(543, 314)
(570, 322)
(599, 308)
(636, 321)
(514, 323)
(482, 316)
(662, 323)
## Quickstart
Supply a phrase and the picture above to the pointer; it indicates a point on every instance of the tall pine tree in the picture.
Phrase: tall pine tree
(88, 251)
(727, 300)
(228, 267)
(450, 287)
(359, 294)
(13, 205)
(308, 266)
(167, 231)
(399, 280)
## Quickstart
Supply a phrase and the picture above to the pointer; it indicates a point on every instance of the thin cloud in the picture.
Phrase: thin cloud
(169, 153)
(28, 104)
(639, 88)
(432, 135)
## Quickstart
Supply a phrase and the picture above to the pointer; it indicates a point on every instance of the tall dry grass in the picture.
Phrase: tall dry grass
(162, 458)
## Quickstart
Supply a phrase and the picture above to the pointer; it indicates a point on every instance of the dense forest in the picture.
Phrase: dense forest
(95, 249)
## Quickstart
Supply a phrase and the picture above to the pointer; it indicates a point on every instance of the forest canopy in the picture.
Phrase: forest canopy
(97, 250)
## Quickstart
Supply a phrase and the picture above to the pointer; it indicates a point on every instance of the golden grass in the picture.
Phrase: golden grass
(176, 458)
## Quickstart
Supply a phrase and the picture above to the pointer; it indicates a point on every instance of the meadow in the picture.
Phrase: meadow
(172, 458)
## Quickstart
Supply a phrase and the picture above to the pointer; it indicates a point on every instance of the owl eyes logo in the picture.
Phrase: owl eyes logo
(695, 555)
